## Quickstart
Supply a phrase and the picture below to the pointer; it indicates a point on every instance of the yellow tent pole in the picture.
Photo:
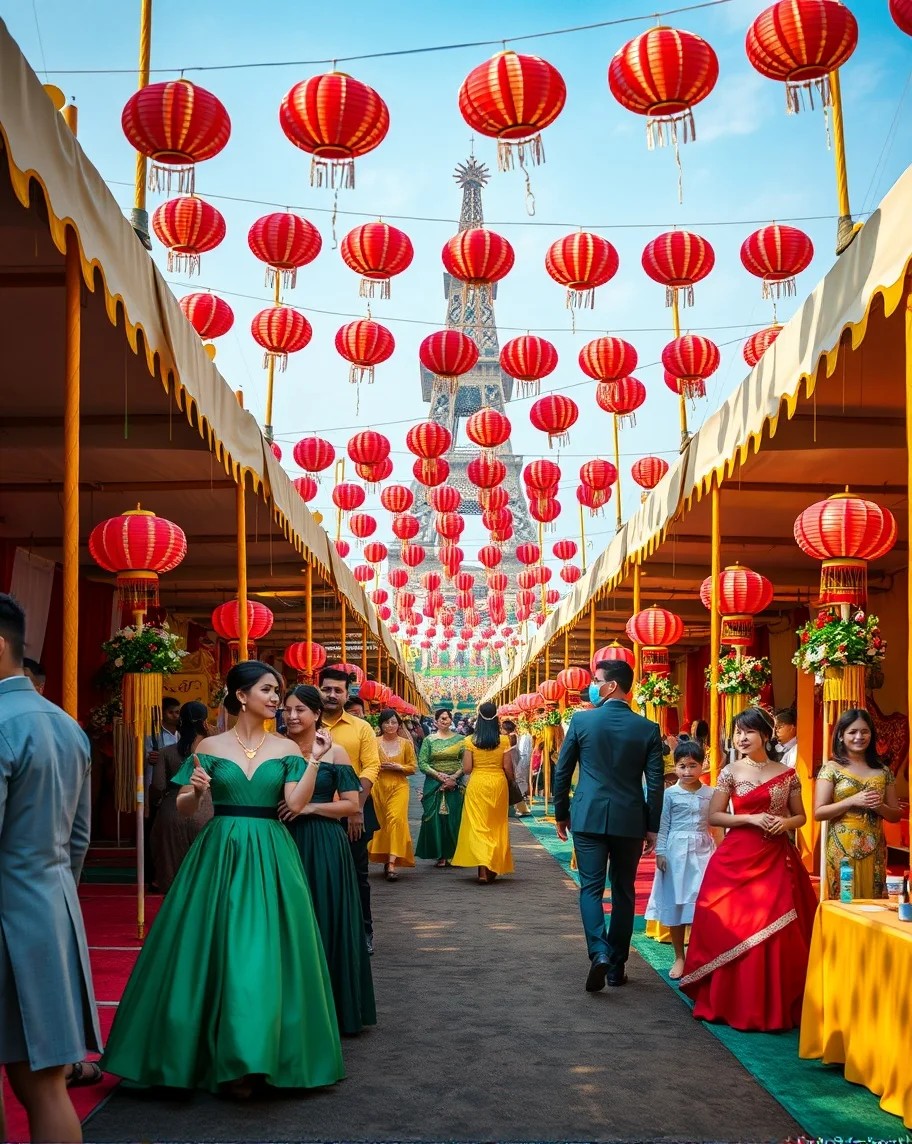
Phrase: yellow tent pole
(139, 217)
(243, 626)
(270, 368)
(342, 633)
(582, 538)
(715, 635)
(617, 466)
(72, 388)
(636, 608)
(804, 767)
(308, 621)
(364, 648)
(592, 631)
(682, 403)
(566, 648)
(846, 227)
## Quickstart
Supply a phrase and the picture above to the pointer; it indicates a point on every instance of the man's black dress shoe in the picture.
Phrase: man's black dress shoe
(616, 975)
(598, 971)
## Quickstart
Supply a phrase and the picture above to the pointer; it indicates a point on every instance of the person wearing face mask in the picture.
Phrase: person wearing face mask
(610, 817)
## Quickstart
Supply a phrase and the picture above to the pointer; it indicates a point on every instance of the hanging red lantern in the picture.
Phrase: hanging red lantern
(306, 487)
(528, 554)
(285, 242)
(305, 658)
(449, 354)
(598, 474)
(488, 428)
(621, 398)
(486, 471)
(378, 252)
(430, 581)
(379, 596)
(314, 454)
(574, 680)
(845, 532)
(451, 559)
(496, 520)
(342, 548)
(608, 358)
(444, 498)
(570, 573)
(188, 227)
(613, 652)
(208, 314)
(176, 124)
(528, 359)
(276, 450)
(363, 573)
(336, 119)
(545, 510)
(676, 260)
(478, 257)
(554, 415)
(565, 549)
(758, 343)
(375, 552)
(552, 596)
(493, 499)
(901, 11)
(428, 439)
(368, 447)
(366, 344)
(776, 254)
(383, 612)
(374, 474)
(449, 525)
(497, 581)
(464, 582)
(398, 578)
(593, 499)
(226, 623)
(648, 471)
(405, 601)
(799, 42)
(431, 472)
(281, 331)
(654, 629)
(512, 98)
(526, 579)
(348, 496)
(489, 556)
(742, 594)
(397, 498)
(413, 555)
(551, 691)
(582, 262)
(542, 574)
(542, 476)
(691, 359)
(362, 525)
(138, 547)
(463, 599)
(525, 597)
(663, 74)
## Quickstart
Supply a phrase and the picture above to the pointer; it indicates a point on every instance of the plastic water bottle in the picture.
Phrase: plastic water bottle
(846, 881)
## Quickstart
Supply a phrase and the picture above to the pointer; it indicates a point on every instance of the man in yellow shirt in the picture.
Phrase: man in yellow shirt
(357, 738)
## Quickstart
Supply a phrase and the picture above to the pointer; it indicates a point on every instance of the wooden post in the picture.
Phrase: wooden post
(591, 632)
(715, 636)
(637, 662)
(308, 621)
(566, 648)
(804, 767)
(617, 466)
(364, 648)
(343, 653)
(846, 228)
(243, 625)
(682, 402)
(72, 394)
(139, 217)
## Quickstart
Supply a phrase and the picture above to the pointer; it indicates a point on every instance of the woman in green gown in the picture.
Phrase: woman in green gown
(441, 801)
(231, 987)
(322, 841)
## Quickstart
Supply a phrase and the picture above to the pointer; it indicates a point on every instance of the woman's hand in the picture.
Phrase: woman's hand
(661, 862)
(286, 814)
(775, 824)
(199, 780)
(867, 799)
(322, 745)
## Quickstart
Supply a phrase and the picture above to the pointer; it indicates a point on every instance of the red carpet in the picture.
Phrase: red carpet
(645, 874)
(110, 921)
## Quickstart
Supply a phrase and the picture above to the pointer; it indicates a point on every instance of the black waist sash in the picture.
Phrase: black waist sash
(246, 811)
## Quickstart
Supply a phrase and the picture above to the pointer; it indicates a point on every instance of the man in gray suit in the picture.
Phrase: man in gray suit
(614, 749)
(47, 1006)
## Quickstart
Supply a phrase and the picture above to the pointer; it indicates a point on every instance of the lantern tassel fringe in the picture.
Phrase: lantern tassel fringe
(359, 373)
(370, 286)
(183, 263)
(800, 96)
(289, 276)
(280, 358)
(529, 387)
(786, 287)
(683, 294)
(332, 173)
(162, 177)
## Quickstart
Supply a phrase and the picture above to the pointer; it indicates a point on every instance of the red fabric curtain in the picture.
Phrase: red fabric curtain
(695, 695)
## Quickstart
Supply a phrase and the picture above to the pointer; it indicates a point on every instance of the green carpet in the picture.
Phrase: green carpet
(818, 1096)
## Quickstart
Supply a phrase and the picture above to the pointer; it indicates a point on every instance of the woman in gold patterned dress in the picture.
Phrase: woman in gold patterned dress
(855, 792)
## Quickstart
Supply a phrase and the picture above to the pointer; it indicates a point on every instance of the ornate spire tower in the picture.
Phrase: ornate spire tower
(472, 311)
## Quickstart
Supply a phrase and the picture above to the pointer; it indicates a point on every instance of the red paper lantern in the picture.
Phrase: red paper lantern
(528, 359)
(493, 499)
(574, 679)
(375, 552)
(478, 257)
(598, 474)
(497, 581)
(374, 474)
(691, 359)
(486, 471)
(281, 331)
(362, 525)
(845, 532)
(398, 578)
(489, 556)
(444, 498)
(188, 227)
(336, 119)
(901, 11)
(554, 415)
(276, 450)
(342, 547)
(352, 670)
(208, 314)
(565, 549)
(593, 499)
(176, 124)
(138, 547)
(776, 254)
(285, 242)
(378, 252)
(676, 260)
(648, 471)
(545, 510)
(570, 573)
(742, 594)
(512, 98)
(528, 554)
(799, 42)
(621, 398)
(449, 354)
(306, 487)
(306, 658)
(449, 525)
(413, 555)
(428, 439)
(364, 343)
(226, 623)
(430, 581)
(348, 496)
(432, 472)
(608, 358)
(551, 691)
(612, 652)
(488, 428)
(368, 447)
(314, 454)
(363, 573)
(397, 498)
(758, 343)
(654, 629)
(542, 476)
(663, 74)
(582, 262)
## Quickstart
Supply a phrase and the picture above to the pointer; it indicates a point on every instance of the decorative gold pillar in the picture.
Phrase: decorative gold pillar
(342, 634)
(364, 648)
(308, 620)
(566, 648)
(72, 393)
(582, 539)
(846, 227)
(637, 606)
(139, 216)
(592, 632)
(243, 626)
(804, 767)
(682, 402)
(715, 635)
(617, 465)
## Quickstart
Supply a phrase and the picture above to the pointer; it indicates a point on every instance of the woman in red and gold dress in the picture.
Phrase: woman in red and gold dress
(748, 952)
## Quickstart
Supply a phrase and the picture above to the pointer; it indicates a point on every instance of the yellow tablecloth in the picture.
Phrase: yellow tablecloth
(858, 1000)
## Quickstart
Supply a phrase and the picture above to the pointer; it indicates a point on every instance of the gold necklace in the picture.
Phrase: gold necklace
(250, 752)
(756, 766)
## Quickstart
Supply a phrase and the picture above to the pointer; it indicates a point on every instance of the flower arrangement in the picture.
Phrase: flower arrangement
(101, 718)
(659, 690)
(147, 649)
(830, 641)
(551, 718)
(745, 676)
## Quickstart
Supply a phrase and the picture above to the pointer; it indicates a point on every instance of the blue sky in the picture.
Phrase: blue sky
(751, 164)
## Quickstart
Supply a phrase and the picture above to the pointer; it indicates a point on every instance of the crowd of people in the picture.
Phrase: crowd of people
(258, 963)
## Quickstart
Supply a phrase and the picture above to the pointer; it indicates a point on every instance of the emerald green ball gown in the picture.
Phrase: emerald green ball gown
(232, 979)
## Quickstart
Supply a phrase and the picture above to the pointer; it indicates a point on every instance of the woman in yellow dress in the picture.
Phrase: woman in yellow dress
(392, 843)
(484, 835)
(854, 793)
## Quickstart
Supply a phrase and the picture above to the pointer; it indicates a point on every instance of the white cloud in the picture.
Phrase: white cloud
(740, 105)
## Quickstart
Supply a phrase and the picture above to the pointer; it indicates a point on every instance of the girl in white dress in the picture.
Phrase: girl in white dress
(682, 849)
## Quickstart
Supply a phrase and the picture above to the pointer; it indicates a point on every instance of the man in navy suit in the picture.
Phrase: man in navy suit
(610, 818)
